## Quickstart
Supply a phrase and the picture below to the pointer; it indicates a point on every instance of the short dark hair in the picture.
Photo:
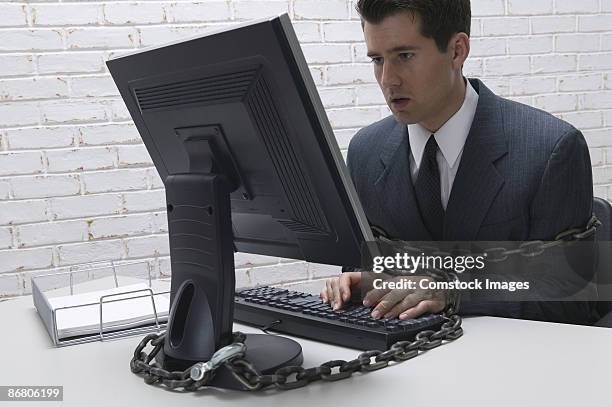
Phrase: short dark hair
(440, 19)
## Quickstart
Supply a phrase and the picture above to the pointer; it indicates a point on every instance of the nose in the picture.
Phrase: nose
(389, 77)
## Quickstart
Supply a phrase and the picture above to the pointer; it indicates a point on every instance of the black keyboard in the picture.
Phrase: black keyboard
(304, 315)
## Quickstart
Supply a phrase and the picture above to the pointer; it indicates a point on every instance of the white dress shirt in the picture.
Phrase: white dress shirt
(450, 138)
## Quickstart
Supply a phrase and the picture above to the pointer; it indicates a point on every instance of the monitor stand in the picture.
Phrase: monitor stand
(203, 283)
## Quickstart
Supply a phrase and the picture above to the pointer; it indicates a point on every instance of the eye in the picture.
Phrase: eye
(405, 56)
(376, 60)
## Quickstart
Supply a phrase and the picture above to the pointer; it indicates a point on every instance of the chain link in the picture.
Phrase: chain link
(291, 377)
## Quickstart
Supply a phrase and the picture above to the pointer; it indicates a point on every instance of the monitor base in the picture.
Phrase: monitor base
(267, 353)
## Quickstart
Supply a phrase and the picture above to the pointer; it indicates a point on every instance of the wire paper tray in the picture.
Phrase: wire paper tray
(101, 302)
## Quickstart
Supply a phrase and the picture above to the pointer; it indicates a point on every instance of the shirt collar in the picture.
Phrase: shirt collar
(451, 136)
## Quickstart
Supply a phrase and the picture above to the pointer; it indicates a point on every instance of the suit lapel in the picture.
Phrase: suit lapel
(477, 181)
(395, 185)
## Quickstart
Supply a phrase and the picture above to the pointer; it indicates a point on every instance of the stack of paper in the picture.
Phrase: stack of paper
(135, 309)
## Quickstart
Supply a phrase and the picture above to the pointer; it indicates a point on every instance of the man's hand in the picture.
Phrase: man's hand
(405, 303)
(337, 290)
(402, 303)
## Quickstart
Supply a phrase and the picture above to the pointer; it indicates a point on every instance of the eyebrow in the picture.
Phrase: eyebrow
(397, 49)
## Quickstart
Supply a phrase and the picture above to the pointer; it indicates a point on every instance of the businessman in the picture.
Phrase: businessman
(455, 162)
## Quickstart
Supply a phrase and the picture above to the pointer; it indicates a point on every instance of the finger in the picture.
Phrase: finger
(387, 302)
(337, 299)
(345, 283)
(422, 308)
(323, 294)
(374, 296)
(408, 302)
(328, 290)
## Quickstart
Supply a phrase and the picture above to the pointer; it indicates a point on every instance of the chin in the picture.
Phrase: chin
(404, 118)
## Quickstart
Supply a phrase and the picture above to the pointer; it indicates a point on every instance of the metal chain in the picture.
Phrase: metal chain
(499, 254)
(289, 377)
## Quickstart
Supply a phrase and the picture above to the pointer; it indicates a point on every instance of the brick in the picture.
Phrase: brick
(488, 7)
(39, 186)
(165, 34)
(597, 156)
(601, 191)
(116, 180)
(6, 238)
(369, 95)
(600, 22)
(154, 179)
(499, 86)
(184, 12)
(148, 246)
(607, 115)
(556, 102)
(600, 100)
(21, 39)
(108, 134)
(350, 74)
(249, 260)
(16, 212)
(576, 7)
(473, 67)
(531, 85)
(10, 285)
(606, 6)
(102, 37)
(51, 233)
(13, 15)
(344, 136)
(159, 222)
(553, 63)
(505, 26)
(93, 86)
(577, 42)
(134, 13)
(134, 156)
(317, 74)
(337, 97)
(344, 31)
(71, 62)
(529, 7)
(584, 120)
(119, 226)
(533, 44)
(506, 65)
(66, 14)
(598, 138)
(248, 10)
(360, 53)
(119, 110)
(89, 252)
(328, 54)
(279, 273)
(40, 137)
(81, 159)
(85, 206)
(307, 31)
(487, 46)
(353, 117)
(33, 88)
(144, 201)
(25, 259)
(316, 270)
(72, 111)
(606, 42)
(16, 65)
(20, 163)
(580, 82)
(321, 9)
(595, 61)
(19, 114)
(552, 24)
(5, 189)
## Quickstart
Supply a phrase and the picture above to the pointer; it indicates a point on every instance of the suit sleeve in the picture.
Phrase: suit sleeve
(564, 201)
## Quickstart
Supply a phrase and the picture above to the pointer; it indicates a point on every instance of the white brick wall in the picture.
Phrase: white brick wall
(77, 185)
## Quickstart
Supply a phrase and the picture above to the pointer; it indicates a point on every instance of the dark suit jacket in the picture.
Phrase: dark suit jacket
(524, 175)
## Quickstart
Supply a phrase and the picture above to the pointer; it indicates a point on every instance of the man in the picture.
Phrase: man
(455, 162)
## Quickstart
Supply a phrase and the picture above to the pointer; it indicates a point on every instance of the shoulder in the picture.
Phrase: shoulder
(371, 138)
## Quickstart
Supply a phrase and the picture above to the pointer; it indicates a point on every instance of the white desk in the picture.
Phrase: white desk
(498, 362)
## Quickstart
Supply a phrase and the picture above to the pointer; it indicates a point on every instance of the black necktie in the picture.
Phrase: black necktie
(427, 190)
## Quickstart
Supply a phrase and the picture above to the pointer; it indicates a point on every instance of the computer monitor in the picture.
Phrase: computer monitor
(235, 127)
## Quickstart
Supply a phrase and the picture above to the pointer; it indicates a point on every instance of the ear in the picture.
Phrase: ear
(459, 49)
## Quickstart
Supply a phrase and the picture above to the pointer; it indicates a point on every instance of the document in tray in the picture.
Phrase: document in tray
(134, 309)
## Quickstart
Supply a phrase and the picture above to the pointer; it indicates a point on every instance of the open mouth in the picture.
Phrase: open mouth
(399, 102)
